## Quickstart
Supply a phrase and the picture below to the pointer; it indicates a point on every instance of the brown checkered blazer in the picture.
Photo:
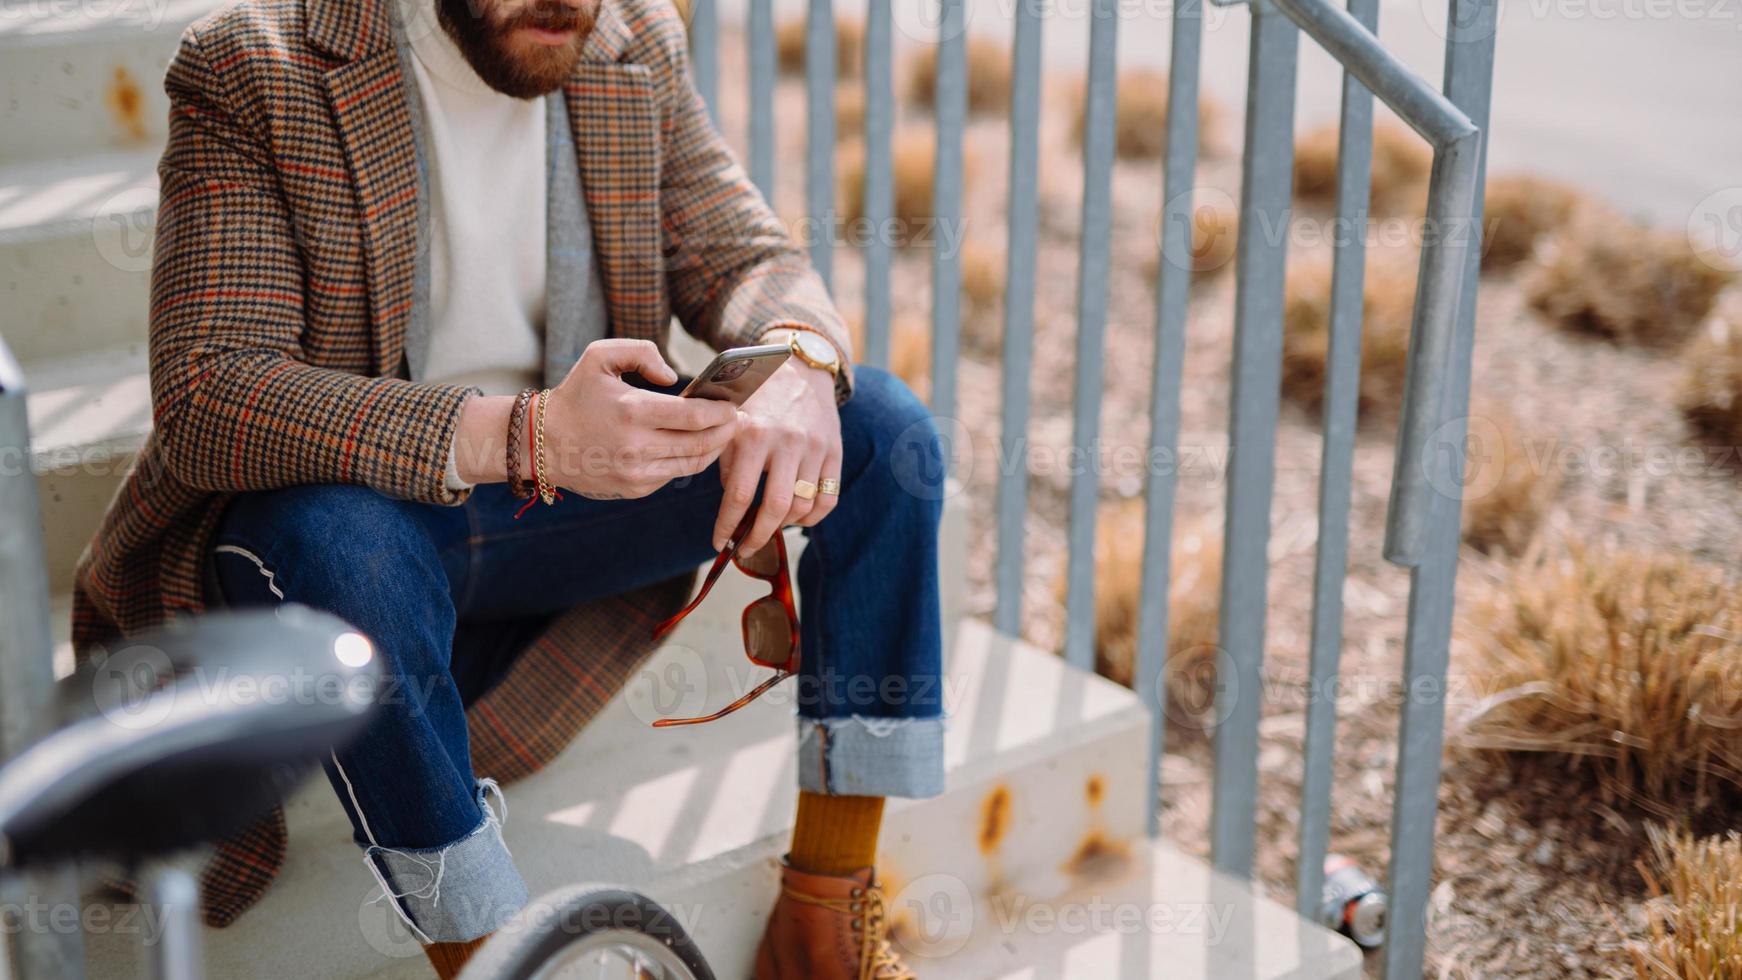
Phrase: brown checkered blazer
(285, 260)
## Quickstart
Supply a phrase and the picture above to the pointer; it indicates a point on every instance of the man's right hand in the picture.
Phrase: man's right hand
(603, 438)
(608, 440)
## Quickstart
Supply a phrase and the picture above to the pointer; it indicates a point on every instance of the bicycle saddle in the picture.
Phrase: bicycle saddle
(186, 734)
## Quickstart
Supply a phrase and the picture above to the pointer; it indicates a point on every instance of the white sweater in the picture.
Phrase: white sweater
(486, 157)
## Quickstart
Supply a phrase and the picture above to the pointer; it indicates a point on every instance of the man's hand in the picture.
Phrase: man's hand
(603, 438)
(791, 430)
(607, 440)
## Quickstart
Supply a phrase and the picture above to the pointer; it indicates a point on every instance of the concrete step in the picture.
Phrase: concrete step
(75, 254)
(89, 416)
(1033, 865)
(87, 77)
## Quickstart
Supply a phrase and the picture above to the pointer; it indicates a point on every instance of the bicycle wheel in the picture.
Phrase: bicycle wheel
(590, 932)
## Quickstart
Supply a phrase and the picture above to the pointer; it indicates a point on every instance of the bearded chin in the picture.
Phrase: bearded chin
(522, 72)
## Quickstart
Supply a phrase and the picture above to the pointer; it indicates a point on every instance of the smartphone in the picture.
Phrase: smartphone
(736, 374)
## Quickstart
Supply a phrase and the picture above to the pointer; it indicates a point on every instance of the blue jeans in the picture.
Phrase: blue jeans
(451, 595)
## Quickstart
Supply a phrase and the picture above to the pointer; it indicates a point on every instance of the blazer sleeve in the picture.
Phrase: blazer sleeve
(236, 406)
(732, 271)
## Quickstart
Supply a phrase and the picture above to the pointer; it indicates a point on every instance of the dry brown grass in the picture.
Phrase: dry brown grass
(1694, 919)
(1624, 665)
(1518, 210)
(1140, 116)
(1507, 490)
(849, 113)
(1306, 340)
(988, 77)
(849, 46)
(1711, 395)
(982, 294)
(909, 348)
(1609, 277)
(1194, 585)
(1401, 163)
(913, 152)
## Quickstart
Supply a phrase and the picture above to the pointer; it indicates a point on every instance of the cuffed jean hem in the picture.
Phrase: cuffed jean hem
(860, 756)
(457, 892)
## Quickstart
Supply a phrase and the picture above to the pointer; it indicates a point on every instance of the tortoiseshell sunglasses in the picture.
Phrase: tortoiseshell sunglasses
(770, 623)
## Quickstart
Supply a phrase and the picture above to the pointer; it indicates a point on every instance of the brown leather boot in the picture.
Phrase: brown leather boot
(828, 928)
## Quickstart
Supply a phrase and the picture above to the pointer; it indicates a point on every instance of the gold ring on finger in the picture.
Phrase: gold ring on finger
(804, 490)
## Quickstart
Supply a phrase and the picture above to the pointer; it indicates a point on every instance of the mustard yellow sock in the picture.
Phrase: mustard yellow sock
(835, 835)
(450, 958)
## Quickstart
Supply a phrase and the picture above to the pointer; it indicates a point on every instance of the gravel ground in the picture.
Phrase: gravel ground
(1535, 876)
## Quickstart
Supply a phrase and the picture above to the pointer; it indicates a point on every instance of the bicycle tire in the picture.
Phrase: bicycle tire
(564, 921)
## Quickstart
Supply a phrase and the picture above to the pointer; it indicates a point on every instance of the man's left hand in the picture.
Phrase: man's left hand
(791, 430)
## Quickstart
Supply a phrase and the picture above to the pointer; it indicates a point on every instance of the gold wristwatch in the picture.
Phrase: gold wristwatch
(815, 350)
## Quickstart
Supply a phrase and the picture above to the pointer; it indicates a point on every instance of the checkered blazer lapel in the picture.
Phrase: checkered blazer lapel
(368, 97)
(614, 113)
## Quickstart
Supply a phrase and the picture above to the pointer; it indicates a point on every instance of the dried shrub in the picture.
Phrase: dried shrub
(1506, 494)
(1194, 592)
(1694, 928)
(1401, 165)
(1306, 339)
(1630, 284)
(849, 46)
(913, 152)
(1140, 116)
(1624, 665)
(1518, 210)
(849, 113)
(982, 293)
(1711, 397)
(988, 65)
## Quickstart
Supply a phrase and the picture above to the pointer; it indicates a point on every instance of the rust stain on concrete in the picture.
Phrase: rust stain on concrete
(994, 819)
(1099, 856)
(1096, 790)
(126, 102)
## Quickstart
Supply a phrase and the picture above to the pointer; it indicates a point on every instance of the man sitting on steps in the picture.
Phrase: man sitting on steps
(407, 250)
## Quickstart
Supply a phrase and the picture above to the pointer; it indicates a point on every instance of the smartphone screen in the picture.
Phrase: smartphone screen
(736, 374)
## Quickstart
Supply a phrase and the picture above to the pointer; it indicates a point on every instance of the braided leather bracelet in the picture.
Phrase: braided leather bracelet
(523, 489)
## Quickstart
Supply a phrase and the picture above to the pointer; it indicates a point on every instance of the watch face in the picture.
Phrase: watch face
(816, 347)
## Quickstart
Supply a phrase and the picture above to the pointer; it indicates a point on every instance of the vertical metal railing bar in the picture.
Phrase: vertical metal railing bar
(1092, 285)
(704, 29)
(950, 100)
(1173, 297)
(819, 75)
(1468, 82)
(1453, 135)
(27, 663)
(763, 67)
(1019, 285)
(1336, 470)
(1266, 186)
(879, 64)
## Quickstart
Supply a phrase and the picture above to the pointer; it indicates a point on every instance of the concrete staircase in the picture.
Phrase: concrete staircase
(1033, 866)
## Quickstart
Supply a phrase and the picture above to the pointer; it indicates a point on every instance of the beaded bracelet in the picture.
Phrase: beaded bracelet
(523, 489)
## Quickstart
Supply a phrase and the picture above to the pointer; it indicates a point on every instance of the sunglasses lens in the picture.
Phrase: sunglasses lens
(768, 632)
(763, 564)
